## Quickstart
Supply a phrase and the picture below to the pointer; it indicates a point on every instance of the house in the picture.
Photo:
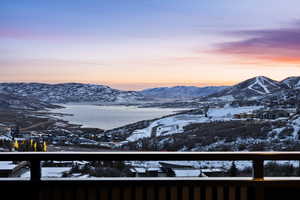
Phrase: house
(244, 116)
(146, 172)
(180, 170)
(173, 169)
(272, 114)
(215, 172)
(187, 172)
(175, 165)
(263, 114)
(137, 172)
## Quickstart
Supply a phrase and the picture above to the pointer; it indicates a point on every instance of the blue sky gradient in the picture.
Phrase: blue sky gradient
(135, 44)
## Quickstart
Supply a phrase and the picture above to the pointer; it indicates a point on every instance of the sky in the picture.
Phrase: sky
(137, 44)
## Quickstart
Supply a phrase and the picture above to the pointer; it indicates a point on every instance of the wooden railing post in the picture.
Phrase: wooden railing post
(35, 170)
(258, 169)
(258, 175)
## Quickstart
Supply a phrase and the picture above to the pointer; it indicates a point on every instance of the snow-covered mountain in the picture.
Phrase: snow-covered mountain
(292, 82)
(181, 91)
(69, 92)
(8, 101)
(257, 86)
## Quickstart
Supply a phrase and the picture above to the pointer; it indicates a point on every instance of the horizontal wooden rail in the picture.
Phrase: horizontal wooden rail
(257, 158)
(256, 187)
(149, 155)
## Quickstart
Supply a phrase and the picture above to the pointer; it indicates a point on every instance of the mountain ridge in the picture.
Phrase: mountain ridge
(181, 91)
(259, 86)
(69, 92)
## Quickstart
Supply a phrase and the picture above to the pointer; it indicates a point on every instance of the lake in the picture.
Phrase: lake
(108, 117)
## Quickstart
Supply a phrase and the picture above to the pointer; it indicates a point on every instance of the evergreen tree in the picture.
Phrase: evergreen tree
(233, 170)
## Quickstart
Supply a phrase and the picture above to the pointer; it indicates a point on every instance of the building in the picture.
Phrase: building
(272, 114)
(263, 114)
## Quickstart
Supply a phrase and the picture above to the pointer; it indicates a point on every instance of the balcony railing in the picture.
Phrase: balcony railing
(255, 187)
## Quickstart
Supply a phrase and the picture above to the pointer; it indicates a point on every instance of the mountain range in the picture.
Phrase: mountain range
(39, 95)
(181, 91)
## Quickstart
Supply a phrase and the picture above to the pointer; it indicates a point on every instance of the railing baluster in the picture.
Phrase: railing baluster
(116, 193)
(231, 193)
(150, 193)
(174, 193)
(127, 193)
(220, 192)
(185, 193)
(243, 192)
(208, 193)
(104, 195)
(197, 193)
(162, 195)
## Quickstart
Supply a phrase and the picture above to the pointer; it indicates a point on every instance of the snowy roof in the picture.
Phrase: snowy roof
(211, 170)
(138, 170)
(178, 164)
(80, 162)
(187, 172)
(153, 169)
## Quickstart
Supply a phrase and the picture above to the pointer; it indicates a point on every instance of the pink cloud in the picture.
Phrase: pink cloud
(274, 45)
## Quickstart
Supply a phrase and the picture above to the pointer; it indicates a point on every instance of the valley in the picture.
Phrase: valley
(256, 114)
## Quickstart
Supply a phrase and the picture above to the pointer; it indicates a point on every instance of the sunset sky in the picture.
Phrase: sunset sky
(136, 44)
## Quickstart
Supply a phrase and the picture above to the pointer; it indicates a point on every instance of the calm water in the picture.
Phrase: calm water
(108, 117)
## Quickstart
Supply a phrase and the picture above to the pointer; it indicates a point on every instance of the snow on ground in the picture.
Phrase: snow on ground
(49, 172)
(260, 81)
(228, 112)
(187, 172)
(262, 85)
(174, 124)
(210, 165)
(252, 85)
(225, 98)
(296, 126)
(6, 165)
(276, 132)
(167, 126)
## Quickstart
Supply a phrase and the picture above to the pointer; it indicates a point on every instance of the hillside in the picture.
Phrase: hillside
(9, 101)
(181, 91)
(255, 87)
(69, 92)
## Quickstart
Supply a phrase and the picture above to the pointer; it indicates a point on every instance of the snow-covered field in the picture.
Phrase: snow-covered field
(49, 172)
(4, 165)
(175, 124)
